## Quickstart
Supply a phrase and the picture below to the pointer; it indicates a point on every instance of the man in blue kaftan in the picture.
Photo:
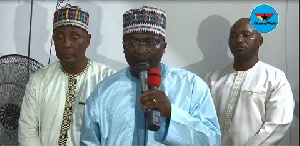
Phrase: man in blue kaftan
(114, 112)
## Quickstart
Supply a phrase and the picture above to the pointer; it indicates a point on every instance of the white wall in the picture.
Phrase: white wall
(197, 33)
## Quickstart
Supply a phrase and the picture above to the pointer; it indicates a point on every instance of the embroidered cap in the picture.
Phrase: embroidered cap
(71, 16)
(145, 19)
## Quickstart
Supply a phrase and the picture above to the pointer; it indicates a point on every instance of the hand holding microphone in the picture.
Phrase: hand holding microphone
(155, 100)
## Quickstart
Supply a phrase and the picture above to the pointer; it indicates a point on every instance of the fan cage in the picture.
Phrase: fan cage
(15, 70)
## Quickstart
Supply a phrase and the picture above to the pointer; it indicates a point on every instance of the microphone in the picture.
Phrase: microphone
(143, 75)
(153, 117)
(142, 69)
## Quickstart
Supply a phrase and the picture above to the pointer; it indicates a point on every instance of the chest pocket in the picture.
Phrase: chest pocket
(254, 99)
(79, 115)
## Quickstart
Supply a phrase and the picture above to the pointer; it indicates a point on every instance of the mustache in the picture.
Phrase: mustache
(240, 45)
(142, 60)
(142, 66)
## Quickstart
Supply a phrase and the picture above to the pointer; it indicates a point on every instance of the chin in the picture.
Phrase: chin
(68, 60)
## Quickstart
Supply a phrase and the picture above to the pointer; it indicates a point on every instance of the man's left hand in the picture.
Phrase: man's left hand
(157, 100)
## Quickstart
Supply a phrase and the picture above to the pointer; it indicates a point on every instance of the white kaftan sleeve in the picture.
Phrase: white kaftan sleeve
(279, 114)
(208, 80)
(28, 130)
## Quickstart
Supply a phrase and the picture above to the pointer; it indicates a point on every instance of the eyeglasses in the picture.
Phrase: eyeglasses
(134, 44)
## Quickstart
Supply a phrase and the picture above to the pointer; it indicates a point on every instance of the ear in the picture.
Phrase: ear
(88, 39)
(165, 47)
(261, 40)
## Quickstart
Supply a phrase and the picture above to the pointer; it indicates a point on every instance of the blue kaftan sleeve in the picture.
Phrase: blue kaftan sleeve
(199, 126)
(90, 129)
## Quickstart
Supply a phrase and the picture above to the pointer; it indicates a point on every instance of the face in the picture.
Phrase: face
(142, 47)
(70, 44)
(244, 41)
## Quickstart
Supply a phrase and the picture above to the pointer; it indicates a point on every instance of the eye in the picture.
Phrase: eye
(247, 35)
(150, 42)
(59, 37)
(75, 37)
(232, 36)
(133, 42)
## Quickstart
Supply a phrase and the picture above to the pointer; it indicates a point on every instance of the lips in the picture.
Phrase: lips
(68, 55)
(240, 46)
(142, 64)
(142, 60)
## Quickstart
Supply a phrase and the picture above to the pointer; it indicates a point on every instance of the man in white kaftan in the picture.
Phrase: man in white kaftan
(55, 95)
(44, 102)
(253, 100)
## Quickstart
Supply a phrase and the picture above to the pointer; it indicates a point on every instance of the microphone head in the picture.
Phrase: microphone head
(154, 77)
(143, 66)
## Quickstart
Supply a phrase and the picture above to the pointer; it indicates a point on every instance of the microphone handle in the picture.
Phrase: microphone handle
(153, 120)
(143, 79)
(153, 116)
(152, 88)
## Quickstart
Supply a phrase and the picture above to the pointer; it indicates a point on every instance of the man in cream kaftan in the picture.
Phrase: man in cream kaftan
(263, 104)
(253, 100)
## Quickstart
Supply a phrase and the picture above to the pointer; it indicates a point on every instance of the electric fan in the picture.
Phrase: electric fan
(15, 71)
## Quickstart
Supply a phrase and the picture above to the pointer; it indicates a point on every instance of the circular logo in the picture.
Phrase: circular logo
(264, 18)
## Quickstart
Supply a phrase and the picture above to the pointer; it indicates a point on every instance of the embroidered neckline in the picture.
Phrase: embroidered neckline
(78, 74)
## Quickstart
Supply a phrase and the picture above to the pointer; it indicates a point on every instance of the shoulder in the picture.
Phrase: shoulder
(45, 70)
(110, 84)
(116, 77)
(101, 66)
(99, 70)
(219, 72)
(181, 74)
(271, 73)
(269, 68)
(173, 71)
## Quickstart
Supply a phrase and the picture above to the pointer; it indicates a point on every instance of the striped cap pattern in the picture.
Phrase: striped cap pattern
(71, 16)
(145, 19)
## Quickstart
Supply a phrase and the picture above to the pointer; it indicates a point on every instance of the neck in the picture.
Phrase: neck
(244, 65)
(75, 68)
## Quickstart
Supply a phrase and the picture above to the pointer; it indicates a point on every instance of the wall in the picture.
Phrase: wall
(197, 33)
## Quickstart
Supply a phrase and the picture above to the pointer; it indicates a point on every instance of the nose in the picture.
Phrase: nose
(141, 48)
(141, 44)
(67, 42)
(240, 38)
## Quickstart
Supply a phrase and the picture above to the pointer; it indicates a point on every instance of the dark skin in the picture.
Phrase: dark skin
(70, 46)
(244, 42)
(153, 57)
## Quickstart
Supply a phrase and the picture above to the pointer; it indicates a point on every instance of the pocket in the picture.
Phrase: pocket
(254, 100)
(79, 115)
(254, 92)
(254, 95)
